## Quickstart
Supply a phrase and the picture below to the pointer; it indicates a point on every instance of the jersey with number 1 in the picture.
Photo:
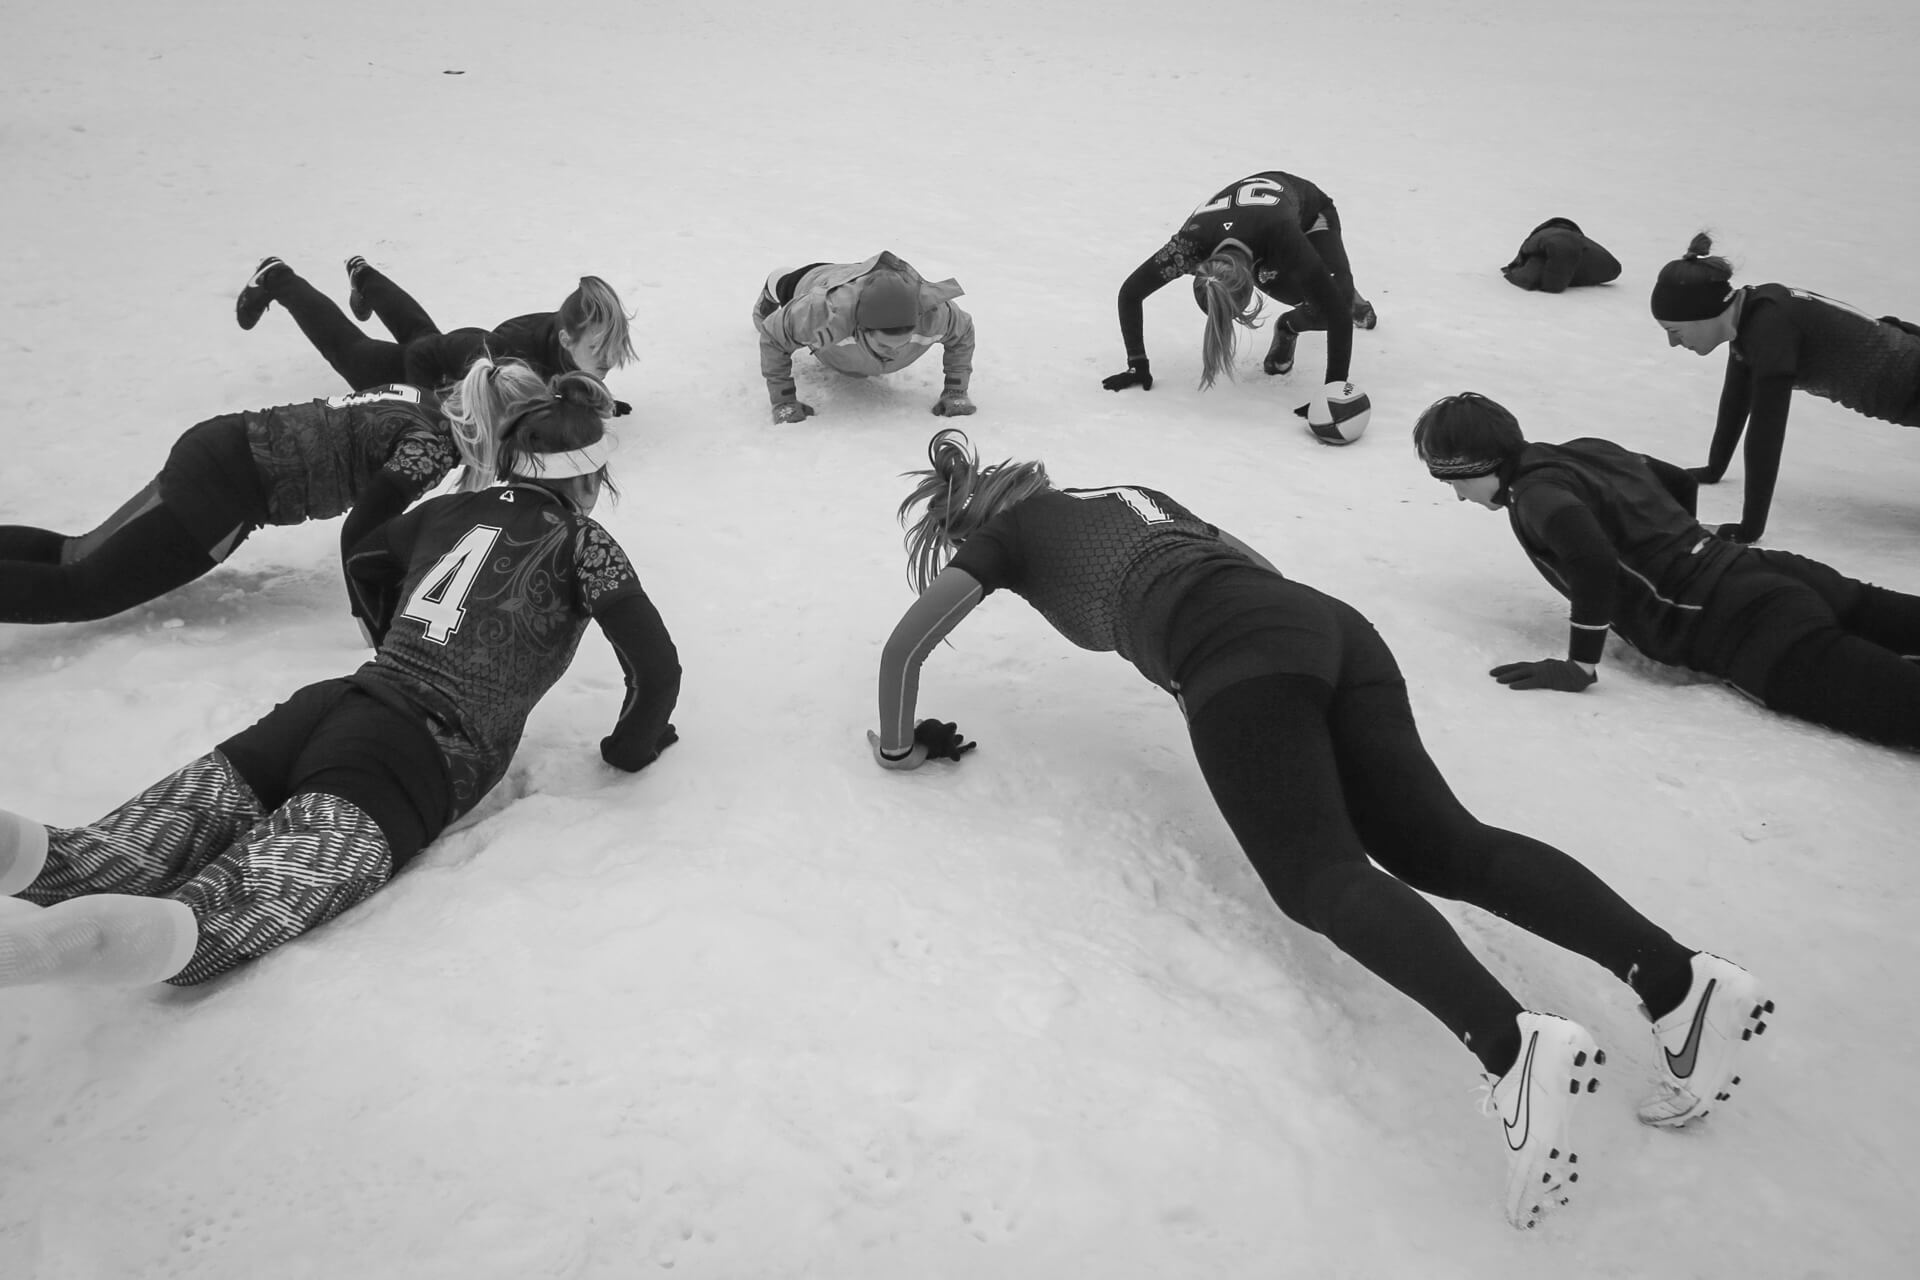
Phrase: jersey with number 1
(483, 598)
(314, 459)
(1105, 566)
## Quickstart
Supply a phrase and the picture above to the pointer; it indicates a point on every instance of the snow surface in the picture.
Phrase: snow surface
(765, 1010)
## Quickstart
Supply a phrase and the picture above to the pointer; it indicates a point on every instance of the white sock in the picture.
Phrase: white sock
(110, 939)
(23, 852)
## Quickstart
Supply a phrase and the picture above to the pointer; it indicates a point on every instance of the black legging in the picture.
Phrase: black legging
(1806, 639)
(1313, 779)
(1305, 317)
(202, 505)
(363, 361)
(1861, 678)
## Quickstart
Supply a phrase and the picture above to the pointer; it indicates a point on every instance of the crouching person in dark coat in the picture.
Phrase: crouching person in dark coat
(1557, 254)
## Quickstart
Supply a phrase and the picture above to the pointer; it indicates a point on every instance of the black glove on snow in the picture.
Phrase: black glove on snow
(1549, 673)
(1138, 374)
(942, 739)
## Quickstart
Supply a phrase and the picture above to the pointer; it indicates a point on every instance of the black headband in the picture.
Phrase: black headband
(1462, 467)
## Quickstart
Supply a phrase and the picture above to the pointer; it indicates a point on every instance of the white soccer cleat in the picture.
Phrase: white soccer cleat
(1698, 1045)
(1535, 1101)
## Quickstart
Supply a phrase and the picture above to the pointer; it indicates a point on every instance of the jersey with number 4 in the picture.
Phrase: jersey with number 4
(1105, 566)
(478, 601)
(314, 459)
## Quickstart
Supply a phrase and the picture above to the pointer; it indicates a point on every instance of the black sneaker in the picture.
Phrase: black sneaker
(355, 302)
(1280, 354)
(253, 300)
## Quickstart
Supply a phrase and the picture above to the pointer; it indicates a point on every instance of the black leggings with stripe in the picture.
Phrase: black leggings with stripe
(189, 518)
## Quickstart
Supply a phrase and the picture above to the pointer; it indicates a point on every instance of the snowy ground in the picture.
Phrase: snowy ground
(764, 1010)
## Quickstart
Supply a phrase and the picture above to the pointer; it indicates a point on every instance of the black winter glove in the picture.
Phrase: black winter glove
(621, 408)
(1562, 674)
(611, 752)
(1139, 374)
(942, 739)
(1735, 532)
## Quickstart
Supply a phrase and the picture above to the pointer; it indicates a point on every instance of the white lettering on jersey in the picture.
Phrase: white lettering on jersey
(1138, 501)
(439, 603)
(395, 393)
(1255, 191)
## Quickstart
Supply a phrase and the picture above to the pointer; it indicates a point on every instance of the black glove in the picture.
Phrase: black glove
(1735, 532)
(624, 757)
(942, 739)
(1549, 673)
(1705, 475)
(1138, 374)
(621, 408)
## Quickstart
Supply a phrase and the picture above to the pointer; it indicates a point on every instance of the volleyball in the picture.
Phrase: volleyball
(1338, 413)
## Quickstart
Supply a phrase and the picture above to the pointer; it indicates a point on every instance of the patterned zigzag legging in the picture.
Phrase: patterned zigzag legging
(253, 879)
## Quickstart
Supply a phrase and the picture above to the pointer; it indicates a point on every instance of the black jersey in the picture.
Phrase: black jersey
(1830, 350)
(439, 358)
(1267, 215)
(1664, 564)
(1105, 566)
(478, 602)
(314, 459)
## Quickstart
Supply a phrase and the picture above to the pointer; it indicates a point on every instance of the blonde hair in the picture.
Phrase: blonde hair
(1223, 286)
(960, 496)
(593, 311)
(492, 396)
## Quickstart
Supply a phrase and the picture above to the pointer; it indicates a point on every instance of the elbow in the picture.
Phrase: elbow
(900, 653)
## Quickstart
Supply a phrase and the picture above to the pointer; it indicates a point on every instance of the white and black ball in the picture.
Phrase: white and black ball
(1338, 413)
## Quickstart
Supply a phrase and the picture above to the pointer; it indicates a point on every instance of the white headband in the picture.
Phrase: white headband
(568, 462)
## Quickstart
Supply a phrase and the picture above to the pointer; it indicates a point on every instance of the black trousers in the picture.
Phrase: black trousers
(363, 361)
(1304, 317)
(1336, 803)
(203, 504)
(1805, 639)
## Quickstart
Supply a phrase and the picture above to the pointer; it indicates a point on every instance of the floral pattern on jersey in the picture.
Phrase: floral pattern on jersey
(423, 458)
(605, 571)
(1178, 257)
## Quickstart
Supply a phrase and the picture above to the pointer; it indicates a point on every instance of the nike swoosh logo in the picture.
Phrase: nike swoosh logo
(1524, 1121)
(1681, 1064)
